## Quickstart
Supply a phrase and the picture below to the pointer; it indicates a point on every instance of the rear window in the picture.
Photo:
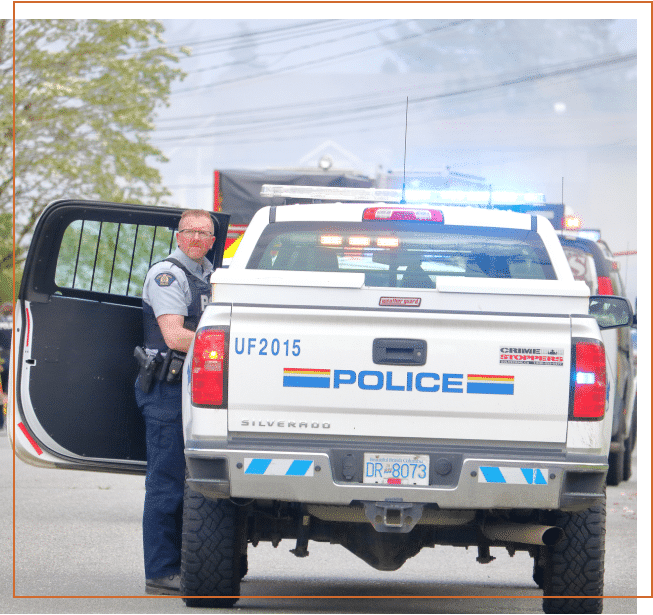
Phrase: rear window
(403, 254)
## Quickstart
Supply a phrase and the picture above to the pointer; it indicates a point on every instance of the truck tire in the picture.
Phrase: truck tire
(629, 445)
(575, 566)
(211, 551)
(616, 464)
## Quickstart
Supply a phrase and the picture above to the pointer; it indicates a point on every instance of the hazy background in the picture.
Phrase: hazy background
(536, 105)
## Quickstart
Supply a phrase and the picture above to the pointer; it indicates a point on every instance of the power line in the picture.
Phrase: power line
(247, 39)
(376, 110)
(286, 52)
(324, 60)
(231, 38)
(316, 106)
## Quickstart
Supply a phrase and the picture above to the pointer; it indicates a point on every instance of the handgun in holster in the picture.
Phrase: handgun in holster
(149, 368)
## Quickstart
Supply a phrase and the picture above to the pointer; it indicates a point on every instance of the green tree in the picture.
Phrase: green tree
(86, 96)
(6, 274)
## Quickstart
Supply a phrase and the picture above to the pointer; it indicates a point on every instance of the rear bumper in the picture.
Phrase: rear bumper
(458, 479)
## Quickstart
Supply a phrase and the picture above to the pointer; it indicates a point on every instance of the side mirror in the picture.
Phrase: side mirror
(611, 311)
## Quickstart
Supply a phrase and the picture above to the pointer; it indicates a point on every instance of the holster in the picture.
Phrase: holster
(172, 366)
(149, 368)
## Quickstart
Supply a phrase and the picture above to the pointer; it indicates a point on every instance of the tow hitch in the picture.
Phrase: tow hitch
(393, 515)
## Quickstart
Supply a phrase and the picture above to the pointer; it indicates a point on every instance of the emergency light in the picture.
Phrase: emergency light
(571, 223)
(389, 195)
(594, 235)
(359, 241)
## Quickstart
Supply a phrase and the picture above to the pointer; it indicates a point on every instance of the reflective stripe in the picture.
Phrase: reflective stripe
(37, 448)
(279, 467)
(513, 476)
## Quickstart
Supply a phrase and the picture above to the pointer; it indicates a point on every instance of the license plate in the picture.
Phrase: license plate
(396, 469)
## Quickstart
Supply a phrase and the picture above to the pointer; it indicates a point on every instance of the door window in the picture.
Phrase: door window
(110, 257)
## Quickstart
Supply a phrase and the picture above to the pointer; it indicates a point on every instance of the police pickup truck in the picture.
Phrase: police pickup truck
(370, 373)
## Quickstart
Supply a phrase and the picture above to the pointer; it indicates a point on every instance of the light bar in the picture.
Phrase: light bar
(593, 234)
(330, 193)
(388, 195)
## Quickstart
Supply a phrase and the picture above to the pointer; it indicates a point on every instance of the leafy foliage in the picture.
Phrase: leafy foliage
(86, 92)
(6, 247)
(109, 257)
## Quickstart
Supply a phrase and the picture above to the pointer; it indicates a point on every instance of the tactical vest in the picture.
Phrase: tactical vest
(200, 296)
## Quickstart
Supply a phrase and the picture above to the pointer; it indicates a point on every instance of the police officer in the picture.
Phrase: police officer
(175, 292)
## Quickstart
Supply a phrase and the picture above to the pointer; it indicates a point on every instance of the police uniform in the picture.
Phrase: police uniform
(168, 289)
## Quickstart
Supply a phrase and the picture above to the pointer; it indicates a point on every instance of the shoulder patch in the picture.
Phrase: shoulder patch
(164, 279)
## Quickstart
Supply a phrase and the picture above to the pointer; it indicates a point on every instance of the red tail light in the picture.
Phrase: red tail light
(588, 381)
(605, 286)
(208, 368)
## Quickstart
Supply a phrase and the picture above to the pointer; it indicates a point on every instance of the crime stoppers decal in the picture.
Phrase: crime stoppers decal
(532, 356)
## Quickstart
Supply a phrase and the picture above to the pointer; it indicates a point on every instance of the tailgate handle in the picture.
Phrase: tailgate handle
(394, 351)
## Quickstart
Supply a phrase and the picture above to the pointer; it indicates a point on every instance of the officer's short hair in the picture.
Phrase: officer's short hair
(201, 213)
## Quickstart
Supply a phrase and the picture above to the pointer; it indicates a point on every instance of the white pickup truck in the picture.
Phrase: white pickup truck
(379, 375)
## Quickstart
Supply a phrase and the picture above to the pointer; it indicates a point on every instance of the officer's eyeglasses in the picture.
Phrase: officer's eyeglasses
(189, 232)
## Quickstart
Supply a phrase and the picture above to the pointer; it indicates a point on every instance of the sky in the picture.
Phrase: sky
(301, 79)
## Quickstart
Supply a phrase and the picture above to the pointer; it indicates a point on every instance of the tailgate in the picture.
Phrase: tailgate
(487, 377)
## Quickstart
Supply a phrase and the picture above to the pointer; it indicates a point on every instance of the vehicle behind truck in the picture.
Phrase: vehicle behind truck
(374, 374)
(592, 262)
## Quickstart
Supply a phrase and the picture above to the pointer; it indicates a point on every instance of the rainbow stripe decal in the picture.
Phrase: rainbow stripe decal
(485, 384)
(307, 378)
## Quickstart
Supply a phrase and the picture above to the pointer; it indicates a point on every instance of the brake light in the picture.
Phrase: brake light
(208, 368)
(605, 286)
(588, 381)
(403, 213)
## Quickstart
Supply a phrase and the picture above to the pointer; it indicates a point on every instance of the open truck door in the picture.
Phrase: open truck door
(77, 322)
